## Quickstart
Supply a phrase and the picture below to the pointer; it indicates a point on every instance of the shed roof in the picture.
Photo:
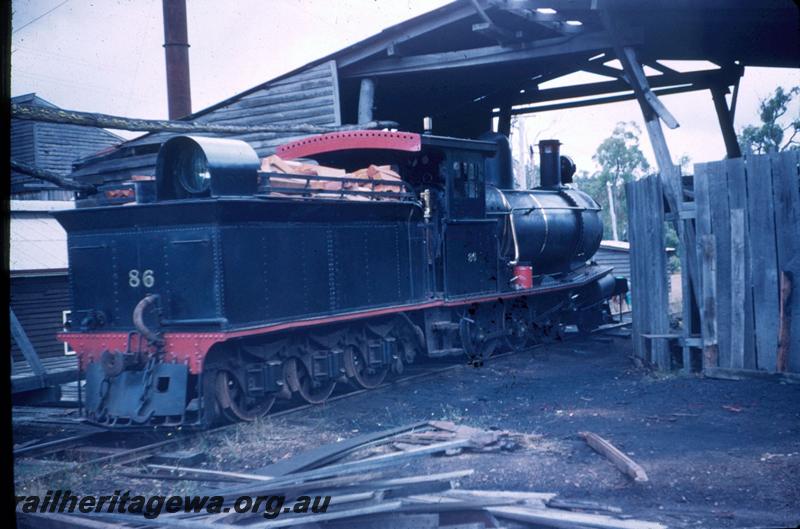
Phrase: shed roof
(462, 61)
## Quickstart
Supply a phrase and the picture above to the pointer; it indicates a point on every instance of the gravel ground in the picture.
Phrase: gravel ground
(718, 453)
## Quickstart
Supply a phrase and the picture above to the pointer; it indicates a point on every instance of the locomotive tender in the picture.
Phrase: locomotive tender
(217, 289)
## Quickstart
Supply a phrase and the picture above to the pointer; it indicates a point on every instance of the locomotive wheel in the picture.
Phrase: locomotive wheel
(519, 333)
(233, 402)
(300, 380)
(360, 373)
(211, 413)
(477, 343)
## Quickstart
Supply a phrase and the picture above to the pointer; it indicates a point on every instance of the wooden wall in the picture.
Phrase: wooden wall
(619, 259)
(38, 302)
(309, 96)
(649, 290)
(748, 212)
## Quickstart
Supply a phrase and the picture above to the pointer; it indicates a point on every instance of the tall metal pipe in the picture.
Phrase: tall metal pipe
(176, 49)
(550, 163)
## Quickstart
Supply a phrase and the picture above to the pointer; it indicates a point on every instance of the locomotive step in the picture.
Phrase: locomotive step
(445, 326)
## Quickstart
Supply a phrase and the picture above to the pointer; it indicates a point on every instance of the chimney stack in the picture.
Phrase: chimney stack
(176, 49)
(550, 163)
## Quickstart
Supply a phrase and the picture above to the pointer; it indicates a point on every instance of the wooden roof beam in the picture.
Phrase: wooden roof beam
(527, 10)
(592, 101)
(639, 82)
(602, 69)
(702, 79)
(491, 55)
(391, 38)
(655, 65)
(490, 29)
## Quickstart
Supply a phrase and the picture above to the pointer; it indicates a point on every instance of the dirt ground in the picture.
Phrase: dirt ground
(718, 453)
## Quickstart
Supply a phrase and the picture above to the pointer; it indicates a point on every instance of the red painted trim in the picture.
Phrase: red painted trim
(354, 139)
(180, 347)
(191, 348)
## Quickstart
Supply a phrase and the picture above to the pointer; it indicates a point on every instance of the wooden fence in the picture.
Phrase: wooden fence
(649, 300)
(746, 213)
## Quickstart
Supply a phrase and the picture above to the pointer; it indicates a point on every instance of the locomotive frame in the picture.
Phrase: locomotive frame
(218, 292)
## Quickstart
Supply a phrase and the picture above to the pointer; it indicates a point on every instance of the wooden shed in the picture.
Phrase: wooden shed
(50, 147)
(38, 267)
(616, 254)
(39, 299)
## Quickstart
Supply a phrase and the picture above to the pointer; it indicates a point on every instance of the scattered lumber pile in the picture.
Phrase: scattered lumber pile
(322, 180)
(362, 478)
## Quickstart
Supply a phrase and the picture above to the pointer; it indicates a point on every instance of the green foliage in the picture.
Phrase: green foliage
(671, 240)
(619, 156)
(621, 160)
(768, 137)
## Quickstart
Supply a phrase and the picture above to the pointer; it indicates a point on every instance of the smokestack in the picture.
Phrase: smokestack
(176, 49)
(549, 163)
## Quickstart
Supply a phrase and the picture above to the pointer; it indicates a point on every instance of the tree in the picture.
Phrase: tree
(621, 160)
(769, 136)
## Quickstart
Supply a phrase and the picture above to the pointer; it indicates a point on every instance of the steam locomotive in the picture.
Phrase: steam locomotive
(204, 295)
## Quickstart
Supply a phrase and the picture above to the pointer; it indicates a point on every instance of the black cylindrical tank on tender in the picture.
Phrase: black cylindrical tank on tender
(555, 230)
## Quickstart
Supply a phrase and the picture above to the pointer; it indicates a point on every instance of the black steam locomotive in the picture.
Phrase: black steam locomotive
(219, 287)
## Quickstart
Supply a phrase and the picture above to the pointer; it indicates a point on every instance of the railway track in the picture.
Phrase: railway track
(86, 445)
(70, 451)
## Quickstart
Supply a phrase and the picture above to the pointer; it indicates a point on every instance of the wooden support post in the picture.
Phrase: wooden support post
(709, 264)
(785, 319)
(652, 110)
(737, 320)
(25, 345)
(366, 100)
(734, 98)
(725, 122)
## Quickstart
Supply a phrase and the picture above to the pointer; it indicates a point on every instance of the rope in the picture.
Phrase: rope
(53, 178)
(91, 119)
